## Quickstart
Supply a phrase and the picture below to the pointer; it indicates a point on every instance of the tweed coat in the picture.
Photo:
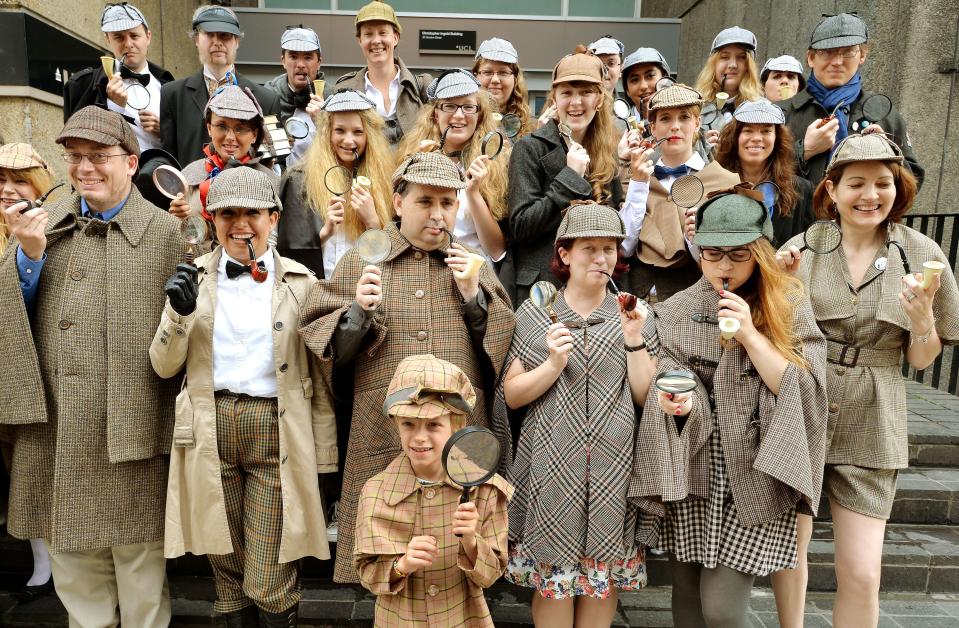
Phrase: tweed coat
(803, 108)
(774, 445)
(394, 507)
(182, 105)
(411, 98)
(867, 396)
(92, 420)
(420, 313)
(541, 186)
(196, 519)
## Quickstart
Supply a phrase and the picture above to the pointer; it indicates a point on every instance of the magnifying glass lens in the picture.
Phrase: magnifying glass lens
(138, 97)
(823, 236)
(492, 144)
(298, 129)
(511, 125)
(169, 181)
(338, 180)
(687, 191)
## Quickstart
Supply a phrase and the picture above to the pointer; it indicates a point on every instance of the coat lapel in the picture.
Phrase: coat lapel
(197, 86)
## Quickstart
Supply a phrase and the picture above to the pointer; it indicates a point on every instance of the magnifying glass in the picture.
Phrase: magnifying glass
(511, 125)
(471, 457)
(373, 246)
(623, 110)
(138, 96)
(822, 237)
(874, 108)
(664, 82)
(770, 194)
(492, 144)
(297, 128)
(687, 191)
(566, 131)
(675, 382)
(338, 180)
(169, 181)
(543, 294)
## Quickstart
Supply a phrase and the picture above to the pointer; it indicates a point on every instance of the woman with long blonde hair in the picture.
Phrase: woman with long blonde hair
(731, 68)
(571, 157)
(497, 68)
(317, 226)
(748, 441)
(457, 117)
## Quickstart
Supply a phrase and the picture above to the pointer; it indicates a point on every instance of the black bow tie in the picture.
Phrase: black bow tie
(301, 98)
(127, 73)
(234, 270)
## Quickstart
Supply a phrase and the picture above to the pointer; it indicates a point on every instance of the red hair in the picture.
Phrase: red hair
(561, 270)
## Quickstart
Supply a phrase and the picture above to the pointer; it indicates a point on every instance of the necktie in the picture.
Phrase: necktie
(661, 172)
(127, 73)
(234, 270)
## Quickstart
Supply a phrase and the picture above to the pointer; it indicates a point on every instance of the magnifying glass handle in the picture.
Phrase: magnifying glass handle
(465, 497)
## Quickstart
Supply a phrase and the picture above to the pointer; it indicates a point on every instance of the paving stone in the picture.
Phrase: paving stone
(649, 618)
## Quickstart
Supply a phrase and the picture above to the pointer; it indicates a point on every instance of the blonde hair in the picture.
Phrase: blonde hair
(750, 88)
(517, 103)
(600, 142)
(38, 178)
(493, 189)
(374, 164)
(774, 302)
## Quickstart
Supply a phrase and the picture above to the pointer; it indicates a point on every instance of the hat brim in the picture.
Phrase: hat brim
(582, 78)
(726, 238)
(759, 118)
(838, 42)
(842, 162)
(298, 45)
(220, 27)
(437, 183)
(502, 57)
(122, 25)
(239, 201)
(596, 233)
(88, 134)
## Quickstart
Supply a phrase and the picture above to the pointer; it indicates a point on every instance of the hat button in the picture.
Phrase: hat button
(422, 335)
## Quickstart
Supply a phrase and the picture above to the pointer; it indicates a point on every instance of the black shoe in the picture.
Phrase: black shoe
(245, 618)
(286, 619)
(29, 593)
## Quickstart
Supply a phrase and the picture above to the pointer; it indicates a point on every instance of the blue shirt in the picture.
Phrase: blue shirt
(28, 270)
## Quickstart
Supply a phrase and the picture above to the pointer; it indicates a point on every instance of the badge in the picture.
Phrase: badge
(855, 126)
(880, 263)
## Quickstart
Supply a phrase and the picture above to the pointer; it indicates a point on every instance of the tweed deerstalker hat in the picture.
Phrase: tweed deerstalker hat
(732, 219)
(872, 147)
(759, 112)
(583, 67)
(496, 49)
(677, 95)
(242, 187)
(839, 31)
(607, 46)
(378, 11)
(101, 126)
(233, 101)
(784, 63)
(121, 17)
(432, 168)
(300, 39)
(453, 84)
(645, 55)
(217, 20)
(425, 387)
(20, 156)
(348, 100)
(590, 220)
(735, 35)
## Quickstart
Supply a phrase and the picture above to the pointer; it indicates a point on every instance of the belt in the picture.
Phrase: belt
(847, 355)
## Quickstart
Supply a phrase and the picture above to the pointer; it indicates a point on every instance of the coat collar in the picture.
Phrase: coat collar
(400, 482)
(132, 221)
(283, 268)
(400, 244)
(549, 133)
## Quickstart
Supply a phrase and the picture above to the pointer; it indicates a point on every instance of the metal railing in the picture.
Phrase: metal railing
(944, 229)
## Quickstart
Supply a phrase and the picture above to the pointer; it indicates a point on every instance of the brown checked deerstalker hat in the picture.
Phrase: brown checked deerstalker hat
(101, 126)
(425, 387)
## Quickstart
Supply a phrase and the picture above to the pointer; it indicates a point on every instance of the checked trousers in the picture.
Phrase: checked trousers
(248, 440)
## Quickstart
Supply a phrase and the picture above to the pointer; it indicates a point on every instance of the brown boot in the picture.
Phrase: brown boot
(244, 618)
(286, 619)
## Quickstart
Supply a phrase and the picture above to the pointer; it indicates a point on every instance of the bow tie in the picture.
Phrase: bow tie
(127, 73)
(234, 270)
(661, 172)
(301, 99)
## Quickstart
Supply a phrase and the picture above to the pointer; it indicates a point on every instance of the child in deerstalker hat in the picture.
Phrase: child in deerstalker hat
(426, 556)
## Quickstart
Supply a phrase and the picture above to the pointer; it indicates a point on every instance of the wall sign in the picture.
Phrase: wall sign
(448, 42)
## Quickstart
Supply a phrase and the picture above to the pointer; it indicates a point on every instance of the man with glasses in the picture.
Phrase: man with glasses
(128, 36)
(91, 422)
(301, 56)
(837, 50)
(216, 34)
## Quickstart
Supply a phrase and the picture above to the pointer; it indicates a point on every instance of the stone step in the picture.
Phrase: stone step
(927, 495)
(933, 426)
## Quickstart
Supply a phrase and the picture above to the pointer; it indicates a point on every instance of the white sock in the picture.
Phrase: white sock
(41, 564)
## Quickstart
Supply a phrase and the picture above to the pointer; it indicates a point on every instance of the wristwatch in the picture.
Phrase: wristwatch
(396, 570)
(638, 347)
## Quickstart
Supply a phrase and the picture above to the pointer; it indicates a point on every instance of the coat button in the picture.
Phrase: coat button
(840, 371)
(76, 275)
(65, 324)
(283, 367)
(278, 325)
(433, 590)
(418, 255)
(179, 331)
(421, 335)
(834, 407)
(855, 300)
(419, 294)
(429, 493)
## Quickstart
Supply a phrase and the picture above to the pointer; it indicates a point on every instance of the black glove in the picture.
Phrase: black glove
(182, 289)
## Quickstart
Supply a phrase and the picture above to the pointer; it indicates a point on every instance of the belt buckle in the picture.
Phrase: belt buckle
(842, 356)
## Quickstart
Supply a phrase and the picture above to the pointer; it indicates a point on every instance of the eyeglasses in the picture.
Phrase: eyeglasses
(238, 131)
(845, 53)
(94, 158)
(500, 74)
(451, 107)
(735, 255)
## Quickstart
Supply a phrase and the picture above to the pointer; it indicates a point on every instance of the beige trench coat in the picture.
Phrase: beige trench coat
(196, 519)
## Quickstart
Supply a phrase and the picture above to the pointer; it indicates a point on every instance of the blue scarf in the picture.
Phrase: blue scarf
(829, 98)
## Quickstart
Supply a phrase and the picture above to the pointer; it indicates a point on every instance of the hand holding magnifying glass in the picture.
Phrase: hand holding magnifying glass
(674, 391)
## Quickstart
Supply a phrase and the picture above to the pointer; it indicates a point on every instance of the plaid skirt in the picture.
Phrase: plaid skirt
(708, 531)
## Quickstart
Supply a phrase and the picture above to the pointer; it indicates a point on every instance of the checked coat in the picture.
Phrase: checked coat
(774, 445)
(92, 421)
(574, 456)
(420, 312)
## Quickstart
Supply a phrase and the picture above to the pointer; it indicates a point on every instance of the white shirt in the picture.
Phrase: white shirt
(465, 228)
(374, 94)
(300, 146)
(243, 360)
(147, 140)
(334, 248)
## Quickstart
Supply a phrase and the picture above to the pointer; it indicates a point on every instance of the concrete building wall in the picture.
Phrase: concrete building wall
(914, 56)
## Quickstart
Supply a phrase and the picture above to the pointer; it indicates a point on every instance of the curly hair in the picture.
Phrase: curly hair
(749, 87)
(904, 180)
(375, 163)
(493, 190)
(780, 167)
(517, 103)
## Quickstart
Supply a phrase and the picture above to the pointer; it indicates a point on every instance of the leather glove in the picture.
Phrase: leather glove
(182, 289)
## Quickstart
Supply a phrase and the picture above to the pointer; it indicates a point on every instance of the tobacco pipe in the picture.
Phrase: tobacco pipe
(258, 272)
(626, 300)
(648, 143)
(39, 202)
(824, 121)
